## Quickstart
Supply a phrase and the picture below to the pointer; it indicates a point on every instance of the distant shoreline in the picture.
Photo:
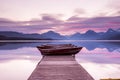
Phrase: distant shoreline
(59, 41)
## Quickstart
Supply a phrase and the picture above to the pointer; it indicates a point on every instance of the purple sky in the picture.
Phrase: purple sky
(63, 16)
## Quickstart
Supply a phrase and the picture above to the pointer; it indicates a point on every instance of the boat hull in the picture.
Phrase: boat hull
(59, 51)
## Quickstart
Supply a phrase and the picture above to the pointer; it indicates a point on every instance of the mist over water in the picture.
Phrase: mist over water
(100, 59)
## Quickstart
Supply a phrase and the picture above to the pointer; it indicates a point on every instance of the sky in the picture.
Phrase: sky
(62, 16)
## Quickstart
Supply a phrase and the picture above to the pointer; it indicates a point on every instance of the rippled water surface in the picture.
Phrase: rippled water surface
(100, 58)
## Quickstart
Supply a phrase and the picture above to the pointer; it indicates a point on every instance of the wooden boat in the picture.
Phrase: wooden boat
(59, 49)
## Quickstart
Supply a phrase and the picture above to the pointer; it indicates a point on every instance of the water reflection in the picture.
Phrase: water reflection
(16, 69)
(102, 56)
(110, 46)
(18, 64)
(24, 53)
(100, 63)
(102, 71)
(100, 59)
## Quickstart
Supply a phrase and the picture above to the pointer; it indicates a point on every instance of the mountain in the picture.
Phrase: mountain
(75, 36)
(2, 37)
(10, 35)
(90, 34)
(53, 35)
(110, 34)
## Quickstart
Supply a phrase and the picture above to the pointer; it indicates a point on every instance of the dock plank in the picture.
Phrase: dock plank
(59, 68)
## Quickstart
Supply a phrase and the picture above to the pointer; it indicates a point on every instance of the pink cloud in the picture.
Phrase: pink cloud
(72, 25)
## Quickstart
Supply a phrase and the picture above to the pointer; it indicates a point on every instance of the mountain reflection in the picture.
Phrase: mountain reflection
(110, 46)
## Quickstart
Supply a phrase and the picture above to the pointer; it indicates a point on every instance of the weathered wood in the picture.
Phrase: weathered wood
(59, 68)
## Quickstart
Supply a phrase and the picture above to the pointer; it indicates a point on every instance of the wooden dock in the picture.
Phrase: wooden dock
(59, 68)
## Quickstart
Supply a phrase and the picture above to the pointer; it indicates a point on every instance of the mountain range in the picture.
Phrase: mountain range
(110, 34)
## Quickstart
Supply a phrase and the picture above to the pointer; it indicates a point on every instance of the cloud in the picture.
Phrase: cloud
(51, 22)
(114, 7)
(4, 21)
(99, 24)
(47, 22)
(79, 11)
(51, 17)
(9, 23)
(114, 4)
(76, 18)
(116, 13)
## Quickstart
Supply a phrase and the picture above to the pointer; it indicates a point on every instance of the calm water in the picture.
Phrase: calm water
(100, 59)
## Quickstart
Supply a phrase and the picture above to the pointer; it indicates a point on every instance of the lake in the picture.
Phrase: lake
(19, 58)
